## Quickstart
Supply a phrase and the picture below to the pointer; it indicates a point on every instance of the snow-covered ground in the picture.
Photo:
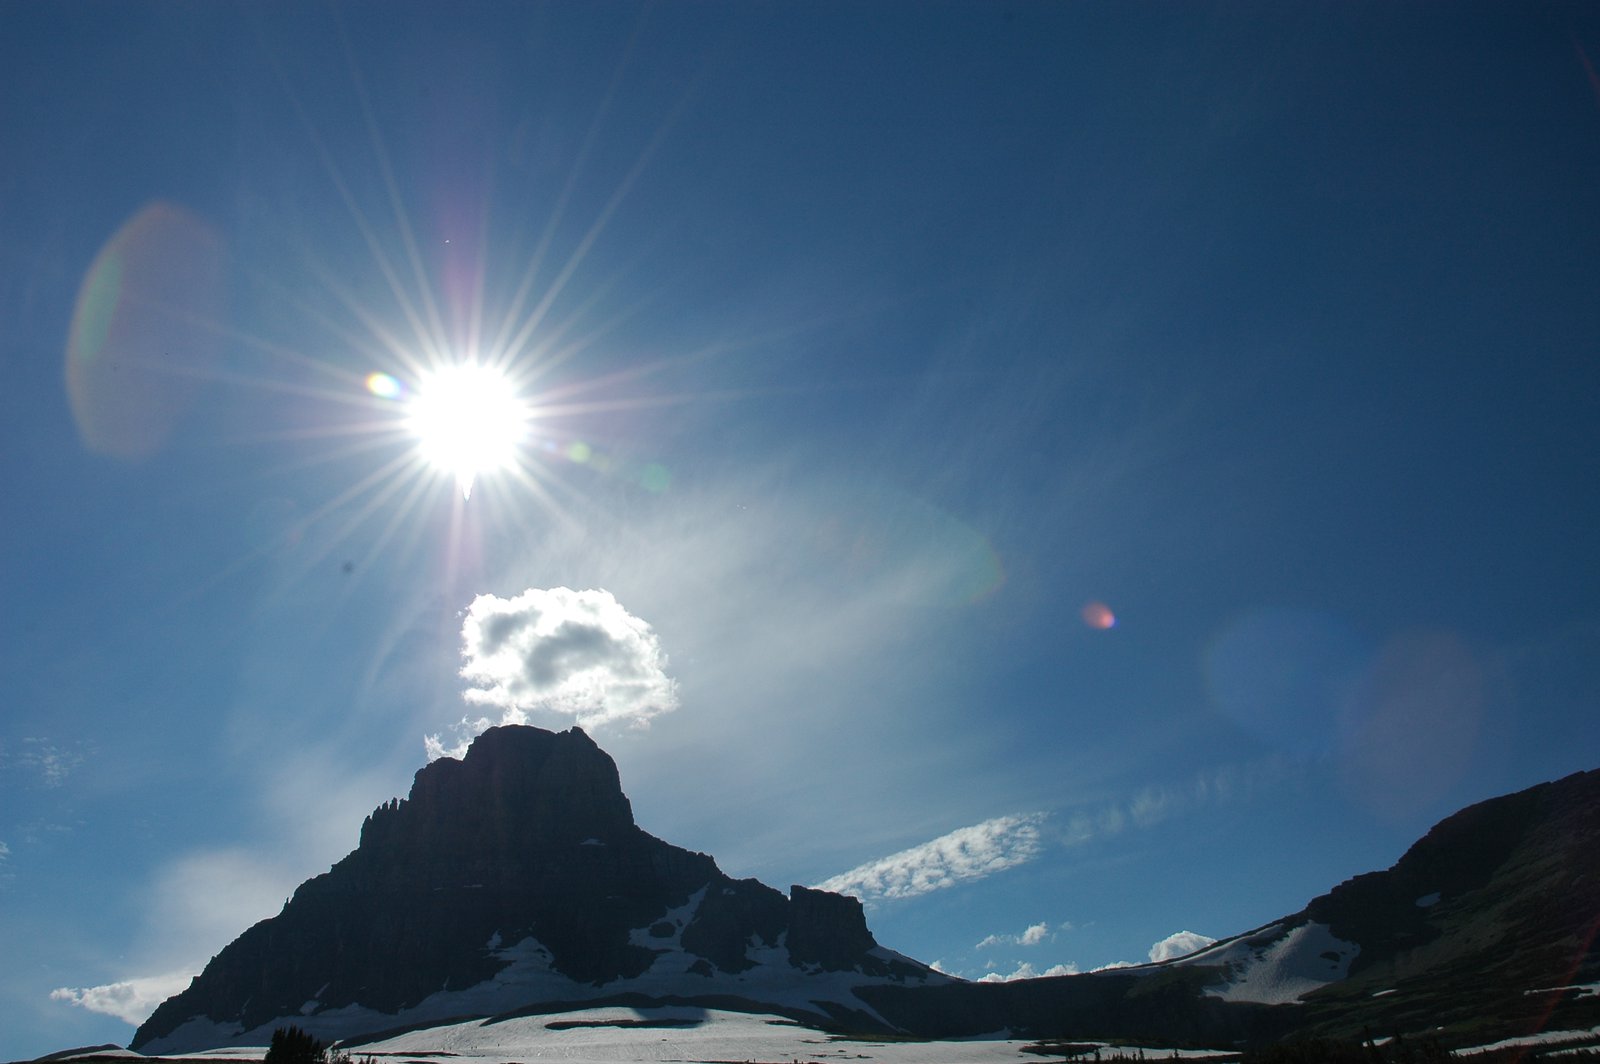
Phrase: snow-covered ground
(682, 1035)
(668, 1035)
(1543, 1038)
(620, 1036)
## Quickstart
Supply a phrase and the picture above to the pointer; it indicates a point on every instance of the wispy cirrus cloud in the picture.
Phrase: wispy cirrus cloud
(43, 758)
(1152, 805)
(963, 855)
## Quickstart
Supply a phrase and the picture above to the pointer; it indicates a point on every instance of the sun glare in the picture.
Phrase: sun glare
(468, 420)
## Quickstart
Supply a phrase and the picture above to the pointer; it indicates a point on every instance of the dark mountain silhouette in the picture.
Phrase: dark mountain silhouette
(515, 880)
(1485, 929)
(1482, 927)
(512, 876)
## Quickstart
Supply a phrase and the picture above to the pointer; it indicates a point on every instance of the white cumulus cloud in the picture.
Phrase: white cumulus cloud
(964, 854)
(1170, 948)
(132, 1000)
(1027, 971)
(1031, 936)
(575, 653)
(1179, 945)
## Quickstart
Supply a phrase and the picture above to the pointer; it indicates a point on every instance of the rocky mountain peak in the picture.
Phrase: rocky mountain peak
(518, 790)
(512, 877)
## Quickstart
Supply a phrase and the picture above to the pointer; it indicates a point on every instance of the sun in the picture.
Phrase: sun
(468, 420)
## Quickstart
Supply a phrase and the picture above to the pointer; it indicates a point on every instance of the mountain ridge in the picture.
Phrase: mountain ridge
(1487, 927)
(515, 881)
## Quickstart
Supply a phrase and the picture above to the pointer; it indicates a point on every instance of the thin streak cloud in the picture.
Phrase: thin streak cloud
(963, 855)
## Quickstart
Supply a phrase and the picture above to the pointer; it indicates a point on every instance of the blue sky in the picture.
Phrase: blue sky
(878, 356)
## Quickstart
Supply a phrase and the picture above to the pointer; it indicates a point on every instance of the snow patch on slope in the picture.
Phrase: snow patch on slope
(679, 918)
(529, 978)
(1277, 965)
(1543, 1038)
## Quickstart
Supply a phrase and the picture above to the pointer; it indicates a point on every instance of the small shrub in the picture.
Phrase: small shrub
(291, 1045)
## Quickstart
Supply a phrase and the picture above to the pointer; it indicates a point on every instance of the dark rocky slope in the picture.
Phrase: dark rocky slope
(1479, 926)
(1485, 929)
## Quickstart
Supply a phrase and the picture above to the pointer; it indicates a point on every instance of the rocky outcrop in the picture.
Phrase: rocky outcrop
(826, 929)
(526, 840)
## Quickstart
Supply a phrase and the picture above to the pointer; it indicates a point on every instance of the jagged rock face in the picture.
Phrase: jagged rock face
(529, 835)
(827, 929)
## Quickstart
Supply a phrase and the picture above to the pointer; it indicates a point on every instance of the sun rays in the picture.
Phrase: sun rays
(429, 344)
(421, 369)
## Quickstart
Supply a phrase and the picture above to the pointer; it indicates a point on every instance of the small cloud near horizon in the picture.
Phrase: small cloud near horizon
(961, 856)
(1031, 936)
(574, 653)
(1027, 971)
(1180, 944)
(131, 1000)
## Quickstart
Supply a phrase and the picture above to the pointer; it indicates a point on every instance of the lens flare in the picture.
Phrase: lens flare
(1410, 727)
(384, 386)
(144, 335)
(1098, 615)
(1282, 675)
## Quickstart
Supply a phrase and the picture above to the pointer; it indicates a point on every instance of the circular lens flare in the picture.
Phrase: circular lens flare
(384, 386)
(1098, 615)
(468, 420)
